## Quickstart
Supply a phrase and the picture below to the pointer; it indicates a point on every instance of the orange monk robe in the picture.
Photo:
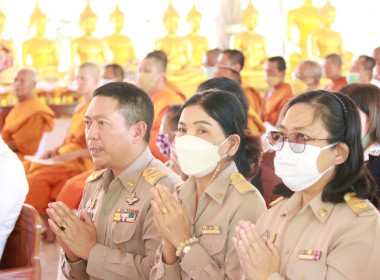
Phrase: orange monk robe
(71, 193)
(161, 102)
(336, 85)
(255, 101)
(26, 124)
(46, 181)
(254, 123)
(274, 100)
(175, 88)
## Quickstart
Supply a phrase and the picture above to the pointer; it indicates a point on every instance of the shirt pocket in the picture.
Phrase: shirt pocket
(306, 270)
(215, 245)
(122, 233)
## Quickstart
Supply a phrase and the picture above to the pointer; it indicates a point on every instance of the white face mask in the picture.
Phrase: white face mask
(197, 157)
(299, 171)
(105, 81)
(209, 70)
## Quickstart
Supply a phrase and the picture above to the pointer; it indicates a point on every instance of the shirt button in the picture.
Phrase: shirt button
(160, 273)
(287, 251)
(192, 273)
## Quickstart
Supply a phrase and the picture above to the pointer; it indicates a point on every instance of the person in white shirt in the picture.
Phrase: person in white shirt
(13, 190)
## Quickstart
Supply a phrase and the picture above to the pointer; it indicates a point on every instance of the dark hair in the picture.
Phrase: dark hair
(341, 119)
(116, 69)
(281, 64)
(235, 56)
(159, 56)
(334, 59)
(368, 63)
(226, 84)
(134, 103)
(175, 110)
(367, 98)
(226, 109)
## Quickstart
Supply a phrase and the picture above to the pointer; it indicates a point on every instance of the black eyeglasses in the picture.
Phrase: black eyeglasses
(297, 141)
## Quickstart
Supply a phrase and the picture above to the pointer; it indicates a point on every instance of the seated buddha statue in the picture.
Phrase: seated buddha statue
(40, 52)
(199, 44)
(249, 42)
(121, 46)
(301, 22)
(7, 53)
(87, 48)
(177, 49)
(326, 41)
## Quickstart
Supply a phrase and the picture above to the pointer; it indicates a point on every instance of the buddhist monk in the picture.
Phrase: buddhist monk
(29, 119)
(71, 158)
(279, 92)
(234, 59)
(151, 77)
(332, 69)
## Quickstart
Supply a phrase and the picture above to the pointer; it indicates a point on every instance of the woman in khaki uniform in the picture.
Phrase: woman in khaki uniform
(197, 223)
(327, 229)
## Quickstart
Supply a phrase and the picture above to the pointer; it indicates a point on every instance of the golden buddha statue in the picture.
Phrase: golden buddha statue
(8, 56)
(87, 48)
(177, 49)
(250, 43)
(301, 23)
(120, 45)
(40, 52)
(199, 44)
(326, 41)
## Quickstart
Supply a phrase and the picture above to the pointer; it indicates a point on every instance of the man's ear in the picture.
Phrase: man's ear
(342, 152)
(139, 131)
(234, 143)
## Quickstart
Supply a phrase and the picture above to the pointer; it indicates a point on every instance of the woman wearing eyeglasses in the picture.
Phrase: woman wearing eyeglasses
(325, 227)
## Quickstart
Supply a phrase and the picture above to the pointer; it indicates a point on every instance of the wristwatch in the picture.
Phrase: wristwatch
(70, 262)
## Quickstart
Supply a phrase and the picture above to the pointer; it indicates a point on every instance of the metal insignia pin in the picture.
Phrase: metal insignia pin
(131, 200)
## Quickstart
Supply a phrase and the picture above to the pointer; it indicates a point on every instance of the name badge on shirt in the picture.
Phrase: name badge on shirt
(125, 215)
(210, 229)
(312, 255)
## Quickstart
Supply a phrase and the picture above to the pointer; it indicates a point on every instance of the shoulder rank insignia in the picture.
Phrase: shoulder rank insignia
(95, 175)
(152, 175)
(356, 204)
(178, 185)
(240, 183)
(274, 202)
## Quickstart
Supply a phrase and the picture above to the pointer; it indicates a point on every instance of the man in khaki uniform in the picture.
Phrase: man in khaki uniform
(114, 236)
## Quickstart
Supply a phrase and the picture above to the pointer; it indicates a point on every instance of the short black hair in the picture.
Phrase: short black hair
(134, 103)
(341, 119)
(229, 85)
(225, 108)
(281, 64)
(159, 56)
(235, 56)
(116, 69)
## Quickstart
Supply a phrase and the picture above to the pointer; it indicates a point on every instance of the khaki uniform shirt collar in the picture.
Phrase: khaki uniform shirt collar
(134, 171)
(218, 188)
(321, 210)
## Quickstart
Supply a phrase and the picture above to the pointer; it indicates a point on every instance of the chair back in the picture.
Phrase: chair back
(21, 256)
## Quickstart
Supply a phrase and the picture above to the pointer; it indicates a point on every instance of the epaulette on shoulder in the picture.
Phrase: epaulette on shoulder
(240, 183)
(276, 201)
(152, 175)
(356, 204)
(95, 175)
(178, 185)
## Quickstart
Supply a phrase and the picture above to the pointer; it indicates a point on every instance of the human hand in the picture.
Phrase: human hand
(79, 236)
(259, 256)
(172, 218)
